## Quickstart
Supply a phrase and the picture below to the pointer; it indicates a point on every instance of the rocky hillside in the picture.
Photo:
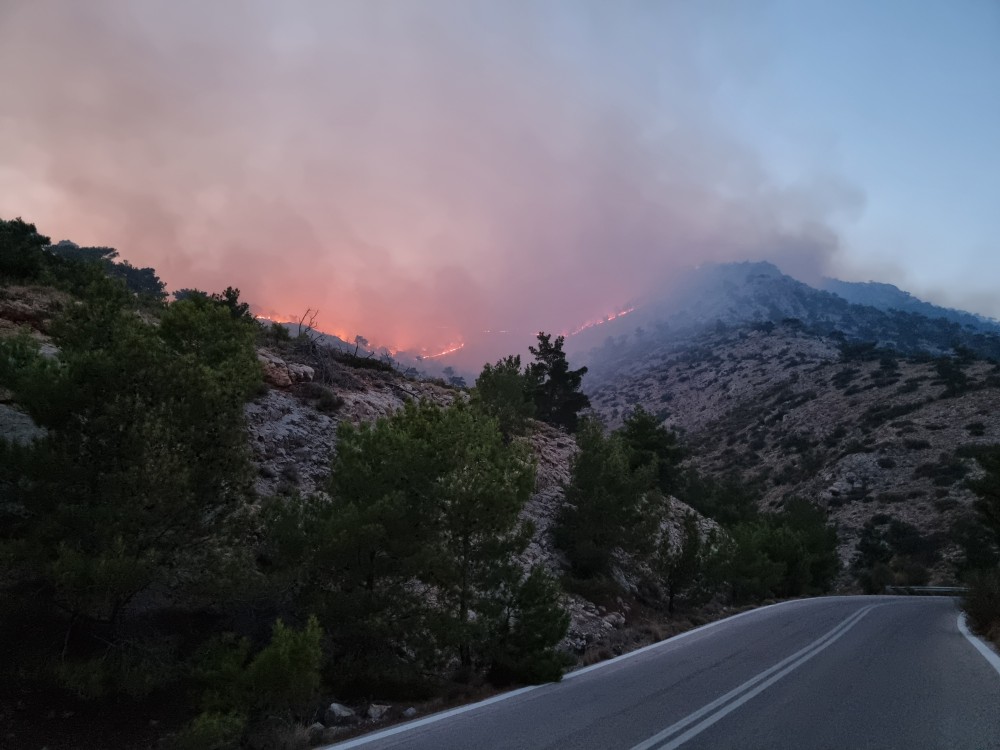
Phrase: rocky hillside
(860, 431)
(293, 424)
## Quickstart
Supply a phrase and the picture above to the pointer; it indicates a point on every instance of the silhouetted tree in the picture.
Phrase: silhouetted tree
(142, 281)
(554, 387)
(21, 250)
(680, 565)
(987, 488)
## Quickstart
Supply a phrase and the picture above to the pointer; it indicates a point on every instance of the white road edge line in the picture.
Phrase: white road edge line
(399, 728)
(746, 691)
(988, 653)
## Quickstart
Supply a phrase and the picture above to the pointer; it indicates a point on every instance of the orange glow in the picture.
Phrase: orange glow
(452, 350)
(601, 321)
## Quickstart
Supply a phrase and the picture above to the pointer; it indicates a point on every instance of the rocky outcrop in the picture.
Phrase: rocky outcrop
(282, 374)
(553, 450)
(30, 307)
(18, 427)
(31, 310)
(293, 440)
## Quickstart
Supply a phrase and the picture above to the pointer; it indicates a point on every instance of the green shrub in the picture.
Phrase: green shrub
(326, 400)
(944, 473)
(525, 650)
(131, 668)
(212, 730)
(982, 603)
(976, 429)
(501, 392)
(280, 680)
(285, 676)
(329, 402)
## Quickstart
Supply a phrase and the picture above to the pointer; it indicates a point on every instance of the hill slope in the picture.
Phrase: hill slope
(862, 433)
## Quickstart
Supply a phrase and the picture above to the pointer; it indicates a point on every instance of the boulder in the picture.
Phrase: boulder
(275, 369)
(377, 711)
(300, 373)
(338, 714)
(409, 713)
(615, 619)
(18, 427)
(281, 374)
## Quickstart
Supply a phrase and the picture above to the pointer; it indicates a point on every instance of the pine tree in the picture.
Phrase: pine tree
(651, 444)
(418, 549)
(609, 505)
(554, 387)
(681, 566)
(501, 392)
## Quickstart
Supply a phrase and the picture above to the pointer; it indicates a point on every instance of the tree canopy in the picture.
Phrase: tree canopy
(553, 386)
(502, 393)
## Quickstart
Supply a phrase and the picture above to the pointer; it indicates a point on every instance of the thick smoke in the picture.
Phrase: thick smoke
(419, 172)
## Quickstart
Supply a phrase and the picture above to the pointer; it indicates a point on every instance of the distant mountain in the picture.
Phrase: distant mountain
(759, 293)
(889, 297)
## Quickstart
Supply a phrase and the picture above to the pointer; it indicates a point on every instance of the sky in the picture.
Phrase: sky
(421, 172)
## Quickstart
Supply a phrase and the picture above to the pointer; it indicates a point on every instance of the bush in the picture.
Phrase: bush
(278, 683)
(285, 676)
(329, 402)
(212, 730)
(501, 392)
(946, 472)
(135, 669)
(976, 429)
(982, 603)
(526, 650)
(609, 505)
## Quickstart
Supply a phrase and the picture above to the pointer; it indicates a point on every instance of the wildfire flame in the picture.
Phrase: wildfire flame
(452, 350)
(601, 321)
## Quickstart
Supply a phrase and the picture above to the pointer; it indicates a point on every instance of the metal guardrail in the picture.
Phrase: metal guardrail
(927, 590)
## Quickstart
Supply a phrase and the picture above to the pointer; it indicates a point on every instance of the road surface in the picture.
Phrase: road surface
(835, 672)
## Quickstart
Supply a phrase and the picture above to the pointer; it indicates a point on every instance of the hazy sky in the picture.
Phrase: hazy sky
(421, 170)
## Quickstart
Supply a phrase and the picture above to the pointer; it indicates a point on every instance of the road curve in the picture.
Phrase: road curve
(832, 672)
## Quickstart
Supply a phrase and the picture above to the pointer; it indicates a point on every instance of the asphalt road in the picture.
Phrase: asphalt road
(837, 672)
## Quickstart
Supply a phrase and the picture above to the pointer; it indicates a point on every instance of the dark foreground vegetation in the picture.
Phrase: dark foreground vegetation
(982, 551)
(137, 564)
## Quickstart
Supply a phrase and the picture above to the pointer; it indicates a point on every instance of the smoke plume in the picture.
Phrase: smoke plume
(420, 172)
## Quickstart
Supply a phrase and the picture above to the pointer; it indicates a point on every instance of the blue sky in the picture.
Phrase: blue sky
(902, 99)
